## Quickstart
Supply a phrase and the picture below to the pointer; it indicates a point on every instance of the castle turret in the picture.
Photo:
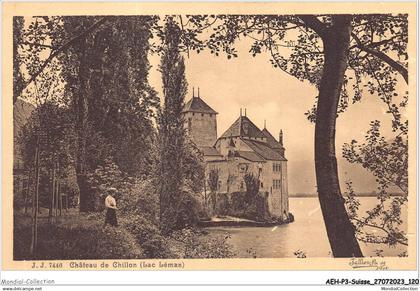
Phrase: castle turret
(281, 137)
(281, 150)
(231, 148)
(200, 121)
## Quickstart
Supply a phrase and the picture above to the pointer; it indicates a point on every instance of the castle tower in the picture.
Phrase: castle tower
(200, 121)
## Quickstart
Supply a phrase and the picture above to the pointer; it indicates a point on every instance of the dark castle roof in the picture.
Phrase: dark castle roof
(243, 126)
(272, 142)
(264, 150)
(209, 151)
(196, 104)
(250, 156)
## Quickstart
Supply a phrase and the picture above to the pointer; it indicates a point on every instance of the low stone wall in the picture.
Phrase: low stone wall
(244, 223)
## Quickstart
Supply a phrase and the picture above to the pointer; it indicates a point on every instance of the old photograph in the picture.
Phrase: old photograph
(211, 136)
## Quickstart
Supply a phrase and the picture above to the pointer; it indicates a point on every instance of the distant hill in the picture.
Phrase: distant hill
(22, 111)
(366, 194)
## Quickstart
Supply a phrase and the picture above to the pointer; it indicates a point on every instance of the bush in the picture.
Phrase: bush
(188, 210)
(140, 197)
(139, 212)
(147, 235)
(237, 205)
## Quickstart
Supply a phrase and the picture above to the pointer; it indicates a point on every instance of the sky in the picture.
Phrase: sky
(272, 95)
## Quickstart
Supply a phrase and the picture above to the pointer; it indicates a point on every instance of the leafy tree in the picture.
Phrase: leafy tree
(213, 182)
(105, 176)
(17, 39)
(113, 102)
(102, 62)
(252, 185)
(387, 160)
(170, 171)
(193, 167)
(49, 130)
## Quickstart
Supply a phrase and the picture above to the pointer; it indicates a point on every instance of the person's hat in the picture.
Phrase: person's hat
(112, 190)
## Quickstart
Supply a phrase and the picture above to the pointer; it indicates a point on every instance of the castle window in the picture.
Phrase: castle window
(276, 167)
(242, 185)
(276, 184)
(219, 186)
(262, 185)
(202, 114)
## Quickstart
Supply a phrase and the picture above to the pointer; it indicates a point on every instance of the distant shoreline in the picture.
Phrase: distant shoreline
(304, 195)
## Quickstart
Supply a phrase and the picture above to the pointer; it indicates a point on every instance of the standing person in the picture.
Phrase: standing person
(111, 207)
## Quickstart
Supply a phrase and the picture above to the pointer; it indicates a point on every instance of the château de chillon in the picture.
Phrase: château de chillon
(243, 148)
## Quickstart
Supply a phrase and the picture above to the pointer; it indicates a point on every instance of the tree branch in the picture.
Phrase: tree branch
(315, 24)
(381, 228)
(393, 64)
(36, 44)
(378, 43)
(59, 50)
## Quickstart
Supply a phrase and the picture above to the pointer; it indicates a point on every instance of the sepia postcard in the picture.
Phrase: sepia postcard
(209, 136)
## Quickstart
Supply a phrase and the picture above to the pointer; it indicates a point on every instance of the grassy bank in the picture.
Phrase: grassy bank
(74, 236)
(77, 235)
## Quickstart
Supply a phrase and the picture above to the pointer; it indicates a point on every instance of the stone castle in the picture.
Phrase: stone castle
(242, 148)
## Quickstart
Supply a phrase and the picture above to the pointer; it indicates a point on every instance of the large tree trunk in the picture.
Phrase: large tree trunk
(81, 108)
(339, 228)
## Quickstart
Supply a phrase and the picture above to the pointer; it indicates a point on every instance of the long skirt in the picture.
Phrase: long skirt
(111, 217)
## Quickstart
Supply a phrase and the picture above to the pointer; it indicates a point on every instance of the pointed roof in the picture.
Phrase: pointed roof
(272, 142)
(196, 104)
(238, 129)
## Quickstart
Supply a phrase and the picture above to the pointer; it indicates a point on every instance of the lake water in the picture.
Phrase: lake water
(307, 234)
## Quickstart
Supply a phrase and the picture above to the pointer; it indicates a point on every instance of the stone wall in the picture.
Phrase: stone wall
(202, 127)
